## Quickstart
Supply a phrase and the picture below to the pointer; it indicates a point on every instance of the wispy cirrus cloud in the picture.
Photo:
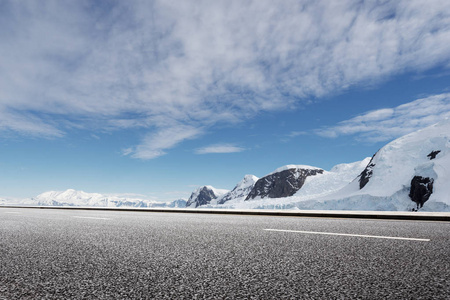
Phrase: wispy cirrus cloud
(28, 124)
(156, 144)
(219, 148)
(156, 65)
(389, 123)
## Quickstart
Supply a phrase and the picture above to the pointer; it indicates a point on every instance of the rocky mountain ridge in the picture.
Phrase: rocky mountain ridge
(204, 195)
(283, 182)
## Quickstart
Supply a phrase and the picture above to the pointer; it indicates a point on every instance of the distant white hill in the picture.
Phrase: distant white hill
(72, 197)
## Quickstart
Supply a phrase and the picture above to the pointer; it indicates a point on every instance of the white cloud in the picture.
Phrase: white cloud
(27, 124)
(389, 123)
(156, 144)
(163, 64)
(219, 148)
(296, 133)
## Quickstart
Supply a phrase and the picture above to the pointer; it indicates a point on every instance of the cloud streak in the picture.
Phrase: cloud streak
(164, 66)
(389, 123)
(155, 144)
(219, 148)
(28, 124)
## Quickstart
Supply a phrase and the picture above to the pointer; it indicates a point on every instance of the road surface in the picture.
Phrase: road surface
(66, 254)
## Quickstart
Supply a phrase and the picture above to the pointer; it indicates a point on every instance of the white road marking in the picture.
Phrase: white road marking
(94, 218)
(12, 212)
(357, 235)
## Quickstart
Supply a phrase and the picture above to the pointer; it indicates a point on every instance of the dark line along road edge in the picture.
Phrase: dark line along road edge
(379, 215)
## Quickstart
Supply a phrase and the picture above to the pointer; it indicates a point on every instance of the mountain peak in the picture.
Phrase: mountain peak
(241, 190)
(283, 182)
(204, 195)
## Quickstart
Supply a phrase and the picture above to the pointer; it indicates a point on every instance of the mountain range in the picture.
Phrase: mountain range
(72, 197)
(409, 173)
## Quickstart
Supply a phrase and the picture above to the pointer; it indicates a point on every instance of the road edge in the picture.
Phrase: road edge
(379, 215)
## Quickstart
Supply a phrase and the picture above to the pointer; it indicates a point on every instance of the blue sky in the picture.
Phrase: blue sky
(155, 98)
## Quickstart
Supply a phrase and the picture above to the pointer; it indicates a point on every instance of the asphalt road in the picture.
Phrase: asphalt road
(59, 254)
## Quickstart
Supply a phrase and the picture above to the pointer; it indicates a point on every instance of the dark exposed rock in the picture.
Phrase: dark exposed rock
(433, 154)
(201, 196)
(366, 174)
(421, 189)
(281, 184)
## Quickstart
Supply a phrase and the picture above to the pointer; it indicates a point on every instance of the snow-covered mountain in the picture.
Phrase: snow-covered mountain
(72, 197)
(411, 172)
(180, 203)
(205, 195)
(283, 182)
(314, 186)
(241, 190)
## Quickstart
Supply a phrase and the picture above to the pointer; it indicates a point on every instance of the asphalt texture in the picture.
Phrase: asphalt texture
(57, 254)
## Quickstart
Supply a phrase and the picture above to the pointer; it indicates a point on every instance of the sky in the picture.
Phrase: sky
(153, 99)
